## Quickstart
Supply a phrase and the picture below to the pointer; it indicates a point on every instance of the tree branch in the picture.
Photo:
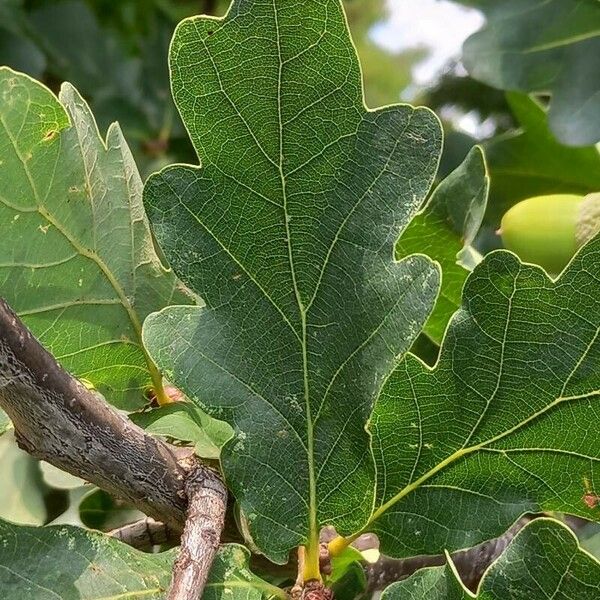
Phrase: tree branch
(58, 420)
(207, 497)
(470, 563)
(144, 534)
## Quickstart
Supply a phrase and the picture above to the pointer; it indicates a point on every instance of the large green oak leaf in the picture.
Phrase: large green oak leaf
(45, 563)
(544, 46)
(77, 260)
(288, 231)
(505, 423)
(543, 561)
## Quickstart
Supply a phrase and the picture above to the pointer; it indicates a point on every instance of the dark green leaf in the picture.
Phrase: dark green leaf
(530, 162)
(543, 561)
(544, 46)
(445, 230)
(21, 53)
(505, 423)
(99, 510)
(79, 50)
(348, 579)
(288, 232)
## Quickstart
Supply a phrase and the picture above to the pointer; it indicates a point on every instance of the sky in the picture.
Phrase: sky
(439, 26)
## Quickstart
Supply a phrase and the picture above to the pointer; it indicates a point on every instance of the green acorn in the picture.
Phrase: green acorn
(548, 230)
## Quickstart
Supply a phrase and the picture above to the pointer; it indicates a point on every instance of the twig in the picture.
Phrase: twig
(144, 534)
(470, 563)
(58, 420)
(207, 502)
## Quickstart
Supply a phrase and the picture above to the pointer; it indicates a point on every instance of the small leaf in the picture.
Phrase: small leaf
(342, 562)
(71, 515)
(185, 422)
(77, 260)
(348, 579)
(445, 230)
(99, 510)
(231, 578)
(589, 536)
(505, 422)
(288, 232)
(543, 561)
(5, 423)
(541, 46)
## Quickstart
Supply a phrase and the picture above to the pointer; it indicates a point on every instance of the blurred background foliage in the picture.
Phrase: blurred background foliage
(115, 53)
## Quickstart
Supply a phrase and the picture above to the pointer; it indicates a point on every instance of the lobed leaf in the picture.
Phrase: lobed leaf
(445, 230)
(77, 261)
(543, 561)
(505, 423)
(288, 232)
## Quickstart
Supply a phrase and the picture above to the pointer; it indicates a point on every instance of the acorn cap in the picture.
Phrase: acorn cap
(588, 219)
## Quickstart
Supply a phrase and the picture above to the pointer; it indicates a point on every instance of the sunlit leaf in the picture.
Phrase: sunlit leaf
(70, 563)
(445, 230)
(77, 260)
(185, 422)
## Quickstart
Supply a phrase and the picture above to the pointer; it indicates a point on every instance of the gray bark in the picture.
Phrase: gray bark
(59, 420)
(144, 534)
(200, 540)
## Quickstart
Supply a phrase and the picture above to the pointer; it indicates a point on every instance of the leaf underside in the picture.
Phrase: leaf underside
(288, 231)
(543, 561)
(77, 260)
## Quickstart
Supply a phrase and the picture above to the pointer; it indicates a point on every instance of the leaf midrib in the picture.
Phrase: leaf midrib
(313, 529)
(560, 43)
(463, 452)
